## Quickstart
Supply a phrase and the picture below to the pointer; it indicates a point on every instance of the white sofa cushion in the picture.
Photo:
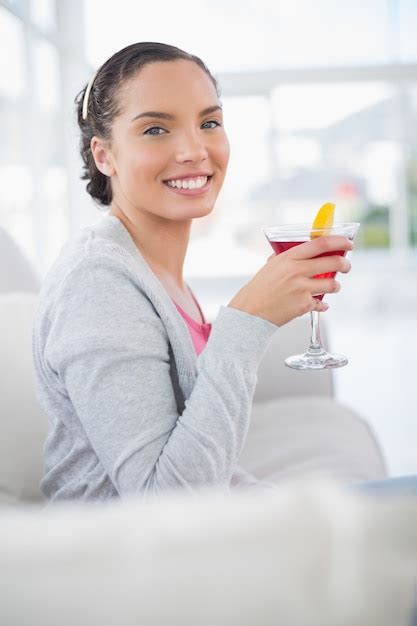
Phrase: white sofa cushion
(23, 426)
(303, 555)
(310, 435)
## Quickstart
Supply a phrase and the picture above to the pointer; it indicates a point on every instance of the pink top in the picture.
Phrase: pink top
(199, 332)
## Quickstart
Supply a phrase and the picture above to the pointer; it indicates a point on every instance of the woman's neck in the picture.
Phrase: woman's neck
(163, 243)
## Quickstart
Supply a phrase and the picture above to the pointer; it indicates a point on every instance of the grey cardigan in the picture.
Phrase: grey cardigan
(131, 408)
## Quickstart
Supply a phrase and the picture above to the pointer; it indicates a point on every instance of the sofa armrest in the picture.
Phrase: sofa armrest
(276, 380)
(23, 425)
(16, 271)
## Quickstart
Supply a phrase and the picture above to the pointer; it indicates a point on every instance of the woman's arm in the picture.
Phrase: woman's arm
(109, 350)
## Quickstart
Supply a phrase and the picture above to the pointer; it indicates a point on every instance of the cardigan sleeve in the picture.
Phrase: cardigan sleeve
(109, 350)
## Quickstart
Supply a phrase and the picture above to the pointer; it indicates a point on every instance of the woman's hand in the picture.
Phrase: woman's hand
(283, 288)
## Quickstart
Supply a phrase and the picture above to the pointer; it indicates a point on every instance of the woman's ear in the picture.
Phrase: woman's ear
(102, 156)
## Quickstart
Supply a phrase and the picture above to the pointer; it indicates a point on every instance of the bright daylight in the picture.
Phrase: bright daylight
(208, 294)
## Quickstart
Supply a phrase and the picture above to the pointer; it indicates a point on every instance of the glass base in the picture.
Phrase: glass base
(319, 361)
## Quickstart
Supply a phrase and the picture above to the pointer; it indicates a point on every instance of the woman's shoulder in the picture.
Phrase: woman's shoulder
(92, 260)
(106, 237)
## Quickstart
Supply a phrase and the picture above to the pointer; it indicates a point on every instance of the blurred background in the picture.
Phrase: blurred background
(320, 104)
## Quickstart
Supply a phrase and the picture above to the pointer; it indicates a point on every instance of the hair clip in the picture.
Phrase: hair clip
(87, 95)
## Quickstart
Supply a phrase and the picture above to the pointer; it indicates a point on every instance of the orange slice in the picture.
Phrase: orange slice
(323, 219)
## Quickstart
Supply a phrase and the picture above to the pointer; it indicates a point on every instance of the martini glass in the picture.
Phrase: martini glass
(287, 236)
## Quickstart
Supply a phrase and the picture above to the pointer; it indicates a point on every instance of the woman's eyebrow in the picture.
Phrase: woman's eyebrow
(167, 116)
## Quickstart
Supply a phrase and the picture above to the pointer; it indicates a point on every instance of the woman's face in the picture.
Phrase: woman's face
(170, 129)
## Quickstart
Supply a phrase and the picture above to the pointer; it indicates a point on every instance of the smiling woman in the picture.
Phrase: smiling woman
(183, 141)
(143, 394)
(108, 112)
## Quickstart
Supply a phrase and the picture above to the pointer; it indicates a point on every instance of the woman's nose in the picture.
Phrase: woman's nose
(191, 148)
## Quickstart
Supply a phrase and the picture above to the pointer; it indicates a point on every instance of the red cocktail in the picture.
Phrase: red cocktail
(287, 236)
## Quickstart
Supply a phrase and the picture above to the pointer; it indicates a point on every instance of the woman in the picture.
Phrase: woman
(118, 332)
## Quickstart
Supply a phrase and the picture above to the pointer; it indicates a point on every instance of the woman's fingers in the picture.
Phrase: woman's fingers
(319, 245)
(324, 265)
(285, 287)
(323, 285)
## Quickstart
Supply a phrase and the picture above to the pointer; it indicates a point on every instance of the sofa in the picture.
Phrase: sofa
(308, 552)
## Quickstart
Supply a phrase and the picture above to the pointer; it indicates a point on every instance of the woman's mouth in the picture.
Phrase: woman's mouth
(189, 186)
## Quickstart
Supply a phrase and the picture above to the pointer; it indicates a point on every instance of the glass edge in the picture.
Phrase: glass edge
(304, 227)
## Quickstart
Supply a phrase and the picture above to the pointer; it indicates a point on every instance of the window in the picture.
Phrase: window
(43, 14)
(46, 70)
(336, 142)
(12, 65)
(32, 177)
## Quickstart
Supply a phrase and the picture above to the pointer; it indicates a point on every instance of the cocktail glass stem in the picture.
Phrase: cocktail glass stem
(315, 341)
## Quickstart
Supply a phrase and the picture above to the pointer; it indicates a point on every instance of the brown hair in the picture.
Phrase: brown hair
(103, 105)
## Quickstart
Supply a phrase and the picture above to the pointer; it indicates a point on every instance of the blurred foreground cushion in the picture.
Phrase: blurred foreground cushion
(301, 555)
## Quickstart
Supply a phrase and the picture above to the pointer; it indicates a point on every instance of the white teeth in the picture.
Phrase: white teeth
(190, 183)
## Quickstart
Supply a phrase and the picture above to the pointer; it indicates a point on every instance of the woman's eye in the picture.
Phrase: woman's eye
(212, 122)
(149, 131)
